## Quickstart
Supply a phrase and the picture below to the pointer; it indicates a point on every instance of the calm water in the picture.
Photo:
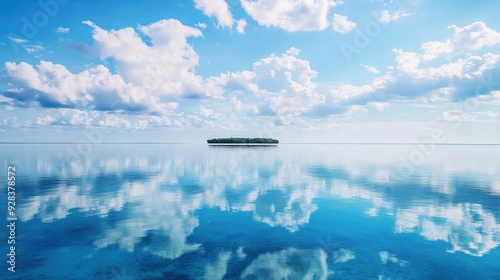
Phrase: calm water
(287, 212)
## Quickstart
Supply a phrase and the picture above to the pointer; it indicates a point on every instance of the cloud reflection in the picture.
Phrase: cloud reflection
(160, 196)
(291, 263)
(467, 228)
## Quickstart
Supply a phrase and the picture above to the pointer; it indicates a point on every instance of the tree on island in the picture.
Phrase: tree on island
(234, 140)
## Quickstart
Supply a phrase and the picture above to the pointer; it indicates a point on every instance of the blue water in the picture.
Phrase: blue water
(286, 212)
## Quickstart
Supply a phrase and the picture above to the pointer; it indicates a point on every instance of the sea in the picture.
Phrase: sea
(287, 211)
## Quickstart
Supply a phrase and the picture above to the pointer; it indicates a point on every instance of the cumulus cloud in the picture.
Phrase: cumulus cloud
(413, 77)
(281, 85)
(240, 26)
(338, 101)
(371, 69)
(303, 15)
(219, 9)
(463, 78)
(387, 17)
(342, 24)
(53, 86)
(465, 40)
(201, 25)
(153, 69)
(10, 122)
(165, 67)
(146, 73)
(74, 117)
(63, 30)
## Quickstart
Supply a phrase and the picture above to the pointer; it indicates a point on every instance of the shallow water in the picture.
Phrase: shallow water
(285, 212)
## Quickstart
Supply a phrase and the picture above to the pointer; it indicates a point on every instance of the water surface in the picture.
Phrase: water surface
(284, 212)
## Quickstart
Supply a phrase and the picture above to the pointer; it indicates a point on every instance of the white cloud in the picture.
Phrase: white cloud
(290, 15)
(74, 117)
(339, 101)
(154, 66)
(371, 69)
(10, 122)
(201, 25)
(240, 26)
(342, 24)
(209, 113)
(53, 86)
(387, 17)
(412, 78)
(488, 114)
(18, 40)
(62, 30)
(456, 116)
(147, 73)
(48, 120)
(30, 48)
(33, 48)
(281, 85)
(219, 9)
(473, 37)
(380, 106)
(108, 120)
(165, 67)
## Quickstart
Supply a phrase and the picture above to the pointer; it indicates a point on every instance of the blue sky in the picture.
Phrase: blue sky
(299, 71)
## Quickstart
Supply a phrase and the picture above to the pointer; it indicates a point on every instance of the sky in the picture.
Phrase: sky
(297, 70)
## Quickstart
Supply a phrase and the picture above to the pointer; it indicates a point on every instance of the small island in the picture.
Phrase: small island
(234, 140)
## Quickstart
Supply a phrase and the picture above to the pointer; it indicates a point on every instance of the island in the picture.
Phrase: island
(234, 140)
